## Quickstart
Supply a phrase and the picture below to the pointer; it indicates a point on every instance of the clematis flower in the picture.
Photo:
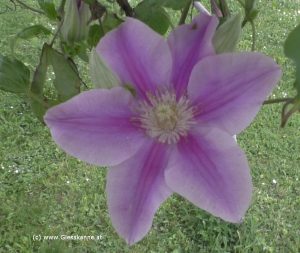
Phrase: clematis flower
(174, 133)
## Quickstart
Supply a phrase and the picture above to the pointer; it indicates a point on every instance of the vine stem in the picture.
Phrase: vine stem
(57, 32)
(29, 7)
(277, 100)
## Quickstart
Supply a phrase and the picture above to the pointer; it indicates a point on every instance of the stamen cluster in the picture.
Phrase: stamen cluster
(165, 117)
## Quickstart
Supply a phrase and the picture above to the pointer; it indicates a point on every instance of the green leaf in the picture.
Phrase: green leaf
(174, 4)
(154, 16)
(49, 8)
(101, 75)
(95, 33)
(29, 33)
(110, 22)
(38, 107)
(37, 100)
(33, 31)
(83, 52)
(76, 49)
(292, 45)
(66, 82)
(152, 3)
(14, 75)
(228, 34)
(89, 1)
(292, 51)
(40, 74)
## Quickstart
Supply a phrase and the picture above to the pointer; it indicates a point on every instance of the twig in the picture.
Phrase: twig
(125, 6)
(29, 7)
(185, 12)
(277, 100)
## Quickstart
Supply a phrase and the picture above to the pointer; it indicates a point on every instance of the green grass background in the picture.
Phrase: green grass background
(45, 192)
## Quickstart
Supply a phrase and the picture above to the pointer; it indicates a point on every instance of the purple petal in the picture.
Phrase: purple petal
(135, 189)
(96, 126)
(189, 44)
(211, 171)
(230, 88)
(138, 55)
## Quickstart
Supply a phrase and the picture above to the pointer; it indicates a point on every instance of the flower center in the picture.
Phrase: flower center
(166, 118)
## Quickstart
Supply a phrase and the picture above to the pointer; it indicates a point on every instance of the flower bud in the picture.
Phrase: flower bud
(75, 24)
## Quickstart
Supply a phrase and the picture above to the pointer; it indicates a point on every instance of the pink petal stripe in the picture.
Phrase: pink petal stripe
(138, 55)
(229, 89)
(96, 126)
(135, 189)
(189, 44)
(211, 171)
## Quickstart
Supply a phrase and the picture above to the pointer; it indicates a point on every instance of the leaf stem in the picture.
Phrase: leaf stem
(29, 7)
(185, 12)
